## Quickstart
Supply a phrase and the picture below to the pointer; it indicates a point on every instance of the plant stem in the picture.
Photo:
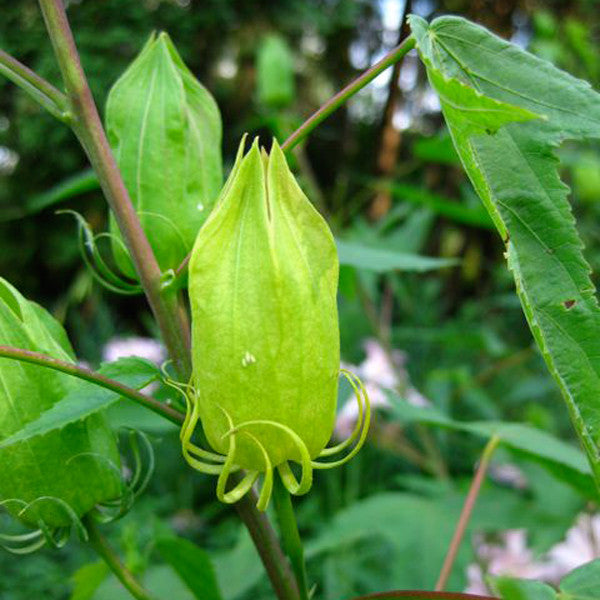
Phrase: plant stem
(87, 375)
(107, 553)
(466, 512)
(88, 128)
(290, 537)
(342, 96)
(267, 544)
(43, 92)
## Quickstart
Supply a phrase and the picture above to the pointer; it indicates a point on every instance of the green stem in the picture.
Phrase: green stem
(88, 127)
(342, 96)
(467, 510)
(107, 553)
(44, 93)
(87, 375)
(290, 537)
(267, 545)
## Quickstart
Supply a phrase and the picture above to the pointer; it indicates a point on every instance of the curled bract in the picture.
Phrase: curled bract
(263, 282)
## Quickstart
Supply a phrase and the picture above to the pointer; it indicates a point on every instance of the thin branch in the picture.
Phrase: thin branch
(110, 557)
(180, 270)
(88, 127)
(267, 545)
(43, 92)
(342, 96)
(467, 510)
(42, 360)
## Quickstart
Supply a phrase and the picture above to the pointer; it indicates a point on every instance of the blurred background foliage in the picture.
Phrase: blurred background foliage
(383, 172)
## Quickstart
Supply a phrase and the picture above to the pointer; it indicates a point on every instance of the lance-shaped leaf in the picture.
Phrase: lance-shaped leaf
(513, 168)
(165, 129)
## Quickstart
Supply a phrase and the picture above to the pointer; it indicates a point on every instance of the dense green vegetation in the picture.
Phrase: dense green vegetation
(431, 318)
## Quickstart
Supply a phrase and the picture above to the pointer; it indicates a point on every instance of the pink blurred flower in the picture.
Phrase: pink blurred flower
(379, 372)
(512, 556)
(121, 347)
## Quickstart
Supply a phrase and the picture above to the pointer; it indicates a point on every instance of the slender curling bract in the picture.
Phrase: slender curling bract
(55, 478)
(266, 359)
(165, 130)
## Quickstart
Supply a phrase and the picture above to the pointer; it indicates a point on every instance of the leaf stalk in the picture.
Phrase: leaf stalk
(110, 557)
(43, 92)
(42, 360)
(345, 94)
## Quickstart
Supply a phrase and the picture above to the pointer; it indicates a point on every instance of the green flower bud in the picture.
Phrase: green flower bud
(165, 130)
(57, 477)
(266, 358)
(275, 73)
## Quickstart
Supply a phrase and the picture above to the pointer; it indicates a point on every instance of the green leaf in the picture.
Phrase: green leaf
(514, 171)
(75, 185)
(192, 564)
(563, 460)
(393, 528)
(87, 579)
(523, 589)
(159, 580)
(380, 261)
(583, 583)
(86, 398)
(440, 205)
(239, 569)
(83, 182)
(439, 149)
(407, 525)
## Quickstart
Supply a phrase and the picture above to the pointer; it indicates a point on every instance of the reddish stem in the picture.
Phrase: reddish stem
(467, 510)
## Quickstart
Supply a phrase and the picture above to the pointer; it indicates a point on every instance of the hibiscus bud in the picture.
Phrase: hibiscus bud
(165, 130)
(266, 359)
(275, 73)
(56, 477)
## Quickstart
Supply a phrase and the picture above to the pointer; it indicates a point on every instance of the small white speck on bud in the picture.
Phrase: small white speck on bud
(200, 206)
(248, 359)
